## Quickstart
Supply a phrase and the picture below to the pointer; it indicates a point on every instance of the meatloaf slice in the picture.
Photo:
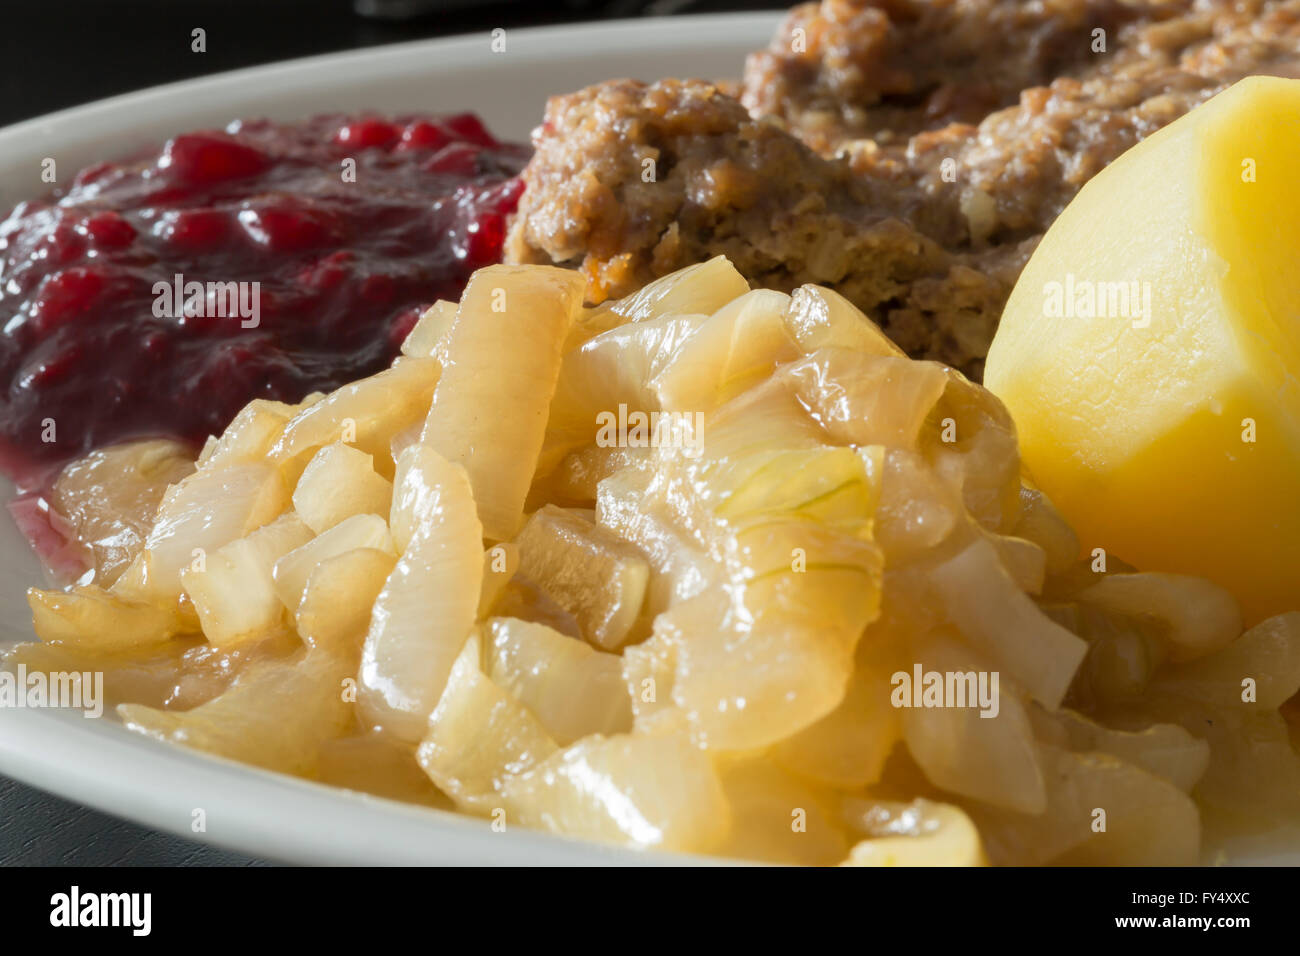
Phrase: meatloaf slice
(631, 181)
(867, 159)
(889, 69)
(988, 116)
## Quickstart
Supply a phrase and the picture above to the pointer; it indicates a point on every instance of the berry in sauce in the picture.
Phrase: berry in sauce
(348, 225)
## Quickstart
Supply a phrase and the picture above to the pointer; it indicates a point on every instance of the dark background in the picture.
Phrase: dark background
(60, 53)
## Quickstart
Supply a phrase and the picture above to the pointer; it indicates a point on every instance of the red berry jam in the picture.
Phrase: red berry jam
(348, 225)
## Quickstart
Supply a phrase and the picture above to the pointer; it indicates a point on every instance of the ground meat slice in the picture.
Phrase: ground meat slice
(631, 181)
(889, 69)
(908, 153)
(900, 88)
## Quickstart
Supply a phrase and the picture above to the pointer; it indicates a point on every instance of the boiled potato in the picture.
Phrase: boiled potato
(1129, 356)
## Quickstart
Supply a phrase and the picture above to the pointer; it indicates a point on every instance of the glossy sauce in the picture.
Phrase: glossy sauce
(92, 351)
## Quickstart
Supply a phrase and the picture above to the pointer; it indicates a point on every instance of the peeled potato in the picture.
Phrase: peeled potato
(1130, 354)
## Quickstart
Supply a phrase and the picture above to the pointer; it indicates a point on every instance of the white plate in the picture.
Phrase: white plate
(98, 763)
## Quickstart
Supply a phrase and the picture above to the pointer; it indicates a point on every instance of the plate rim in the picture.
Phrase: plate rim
(618, 31)
(31, 742)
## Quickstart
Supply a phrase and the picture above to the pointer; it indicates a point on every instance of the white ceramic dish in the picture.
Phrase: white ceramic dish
(97, 762)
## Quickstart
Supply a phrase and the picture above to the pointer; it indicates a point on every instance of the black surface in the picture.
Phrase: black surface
(59, 53)
(37, 829)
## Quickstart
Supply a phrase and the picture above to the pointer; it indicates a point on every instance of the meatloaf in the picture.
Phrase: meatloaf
(908, 153)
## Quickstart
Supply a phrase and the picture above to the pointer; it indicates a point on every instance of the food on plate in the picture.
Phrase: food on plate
(155, 296)
(631, 181)
(690, 528)
(907, 154)
(100, 507)
(794, 602)
(1149, 352)
(851, 70)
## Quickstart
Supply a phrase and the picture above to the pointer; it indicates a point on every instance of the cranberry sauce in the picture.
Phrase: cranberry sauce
(347, 225)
